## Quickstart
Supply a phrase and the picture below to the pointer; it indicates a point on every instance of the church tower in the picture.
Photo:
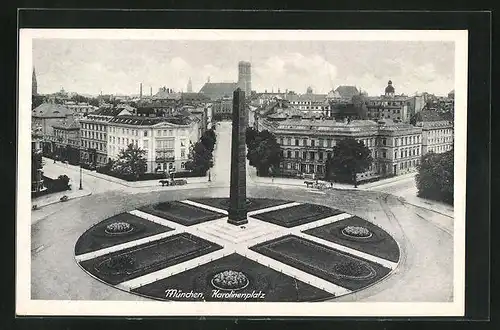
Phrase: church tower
(245, 77)
(190, 86)
(34, 86)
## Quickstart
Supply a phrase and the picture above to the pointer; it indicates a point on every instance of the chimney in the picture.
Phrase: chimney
(140, 91)
(151, 91)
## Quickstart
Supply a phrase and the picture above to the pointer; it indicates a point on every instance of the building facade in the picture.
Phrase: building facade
(66, 141)
(307, 144)
(79, 109)
(166, 143)
(93, 133)
(437, 131)
(222, 109)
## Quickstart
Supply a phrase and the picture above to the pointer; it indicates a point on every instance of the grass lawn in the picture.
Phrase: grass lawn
(150, 257)
(95, 238)
(179, 212)
(319, 260)
(275, 286)
(381, 244)
(297, 215)
(255, 203)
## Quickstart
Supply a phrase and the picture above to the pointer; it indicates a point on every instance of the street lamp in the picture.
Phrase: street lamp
(80, 172)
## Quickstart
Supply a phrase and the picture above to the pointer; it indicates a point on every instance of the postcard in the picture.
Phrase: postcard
(241, 172)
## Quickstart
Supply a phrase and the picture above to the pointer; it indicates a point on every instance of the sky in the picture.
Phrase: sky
(87, 66)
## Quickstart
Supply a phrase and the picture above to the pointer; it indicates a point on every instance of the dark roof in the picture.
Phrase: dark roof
(194, 96)
(347, 91)
(218, 90)
(48, 110)
(111, 112)
(68, 125)
(430, 115)
(147, 121)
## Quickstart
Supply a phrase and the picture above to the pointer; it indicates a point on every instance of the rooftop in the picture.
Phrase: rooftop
(218, 90)
(51, 110)
(148, 121)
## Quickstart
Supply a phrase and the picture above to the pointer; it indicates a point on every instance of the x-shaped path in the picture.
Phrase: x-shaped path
(237, 239)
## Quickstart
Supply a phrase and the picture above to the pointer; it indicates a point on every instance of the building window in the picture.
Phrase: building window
(145, 133)
(304, 154)
(304, 142)
(384, 154)
(296, 142)
(288, 141)
(312, 143)
(311, 155)
(384, 142)
(289, 154)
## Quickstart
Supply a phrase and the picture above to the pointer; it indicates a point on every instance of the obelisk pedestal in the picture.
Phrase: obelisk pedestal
(237, 213)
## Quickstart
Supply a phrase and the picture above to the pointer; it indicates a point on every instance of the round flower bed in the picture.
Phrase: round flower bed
(121, 263)
(356, 231)
(354, 270)
(230, 280)
(117, 228)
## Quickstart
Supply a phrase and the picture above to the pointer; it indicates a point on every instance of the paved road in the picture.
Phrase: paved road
(221, 172)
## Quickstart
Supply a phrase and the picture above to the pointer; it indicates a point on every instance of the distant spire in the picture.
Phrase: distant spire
(34, 86)
(189, 86)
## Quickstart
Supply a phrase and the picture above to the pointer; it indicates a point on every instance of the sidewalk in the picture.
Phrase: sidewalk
(438, 207)
(130, 184)
(55, 197)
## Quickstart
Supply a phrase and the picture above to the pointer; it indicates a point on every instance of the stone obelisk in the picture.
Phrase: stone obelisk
(237, 214)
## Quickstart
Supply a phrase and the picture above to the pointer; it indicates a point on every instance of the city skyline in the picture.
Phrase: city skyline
(88, 66)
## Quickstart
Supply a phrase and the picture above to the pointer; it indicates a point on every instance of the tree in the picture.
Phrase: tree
(36, 167)
(350, 158)
(359, 102)
(208, 139)
(130, 162)
(263, 151)
(200, 159)
(435, 177)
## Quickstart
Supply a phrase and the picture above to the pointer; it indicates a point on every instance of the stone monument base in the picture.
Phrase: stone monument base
(237, 217)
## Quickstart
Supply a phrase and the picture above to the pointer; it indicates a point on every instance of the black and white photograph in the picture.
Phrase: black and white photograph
(241, 172)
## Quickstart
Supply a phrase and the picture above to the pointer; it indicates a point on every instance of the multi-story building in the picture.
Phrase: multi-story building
(80, 109)
(388, 106)
(307, 144)
(66, 141)
(44, 117)
(437, 131)
(313, 104)
(165, 140)
(222, 109)
(93, 133)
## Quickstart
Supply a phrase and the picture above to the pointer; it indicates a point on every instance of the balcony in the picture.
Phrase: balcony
(163, 158)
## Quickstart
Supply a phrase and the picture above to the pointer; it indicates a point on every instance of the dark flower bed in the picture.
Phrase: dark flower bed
(121, 263)
(274, 286)
(379, 243)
